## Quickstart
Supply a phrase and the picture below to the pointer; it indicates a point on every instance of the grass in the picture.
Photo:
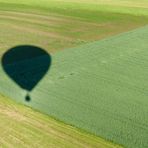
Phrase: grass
(103, 91)
(24, 127)
(100, 87)
(129, 7)
(58, 25)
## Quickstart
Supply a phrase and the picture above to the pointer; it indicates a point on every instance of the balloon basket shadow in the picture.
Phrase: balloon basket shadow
(27, 98)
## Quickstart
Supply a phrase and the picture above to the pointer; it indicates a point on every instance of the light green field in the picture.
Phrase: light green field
(100, 87)
(119, 6)
(22, 127)
(56, 25)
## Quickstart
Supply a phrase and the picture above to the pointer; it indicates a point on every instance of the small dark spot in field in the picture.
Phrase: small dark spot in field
(71, 74)
(62, 77)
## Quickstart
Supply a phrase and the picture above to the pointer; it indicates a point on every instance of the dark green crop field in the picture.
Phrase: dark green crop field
(78, 72)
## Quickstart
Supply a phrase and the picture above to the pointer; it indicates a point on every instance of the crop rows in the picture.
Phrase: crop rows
(100, 87)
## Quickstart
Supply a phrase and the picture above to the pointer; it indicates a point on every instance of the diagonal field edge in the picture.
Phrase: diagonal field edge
(101, 87)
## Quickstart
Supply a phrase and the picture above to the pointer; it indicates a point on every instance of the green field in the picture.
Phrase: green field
(99, 87)
(24, 127)
(56, 25)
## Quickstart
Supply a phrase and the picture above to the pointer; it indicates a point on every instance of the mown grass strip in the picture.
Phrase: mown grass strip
(56, 28)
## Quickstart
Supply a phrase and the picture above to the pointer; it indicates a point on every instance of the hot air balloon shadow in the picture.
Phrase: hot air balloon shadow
(26, 65)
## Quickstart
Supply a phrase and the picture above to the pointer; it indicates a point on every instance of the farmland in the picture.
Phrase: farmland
(114, 78)
(24, 127)
(56, 25)
(96, 89)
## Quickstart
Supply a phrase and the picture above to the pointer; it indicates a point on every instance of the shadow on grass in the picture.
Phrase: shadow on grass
(26, 65)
